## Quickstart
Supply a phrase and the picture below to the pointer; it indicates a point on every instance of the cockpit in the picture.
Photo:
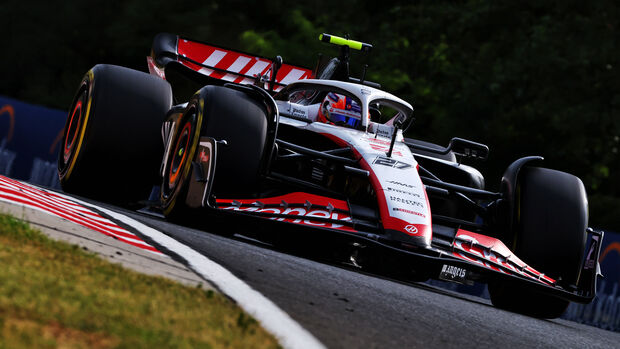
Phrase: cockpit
(340, 103)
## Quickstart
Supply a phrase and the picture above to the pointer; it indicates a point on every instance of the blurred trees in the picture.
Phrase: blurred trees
(526, 78)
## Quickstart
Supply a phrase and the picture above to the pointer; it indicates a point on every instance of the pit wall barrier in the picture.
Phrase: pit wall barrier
(31, 137)
(604, 311)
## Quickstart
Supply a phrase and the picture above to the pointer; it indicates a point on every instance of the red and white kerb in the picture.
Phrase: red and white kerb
(22, 194)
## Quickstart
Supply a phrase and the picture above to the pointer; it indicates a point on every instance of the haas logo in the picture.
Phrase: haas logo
(411, 229)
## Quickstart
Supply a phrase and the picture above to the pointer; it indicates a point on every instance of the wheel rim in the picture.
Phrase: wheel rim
(179, 154)
(176, 163)
(73, 128)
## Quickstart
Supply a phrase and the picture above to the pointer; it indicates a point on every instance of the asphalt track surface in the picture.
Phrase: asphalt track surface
(344, 308)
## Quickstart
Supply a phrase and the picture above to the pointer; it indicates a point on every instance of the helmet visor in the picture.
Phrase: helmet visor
(342, 110)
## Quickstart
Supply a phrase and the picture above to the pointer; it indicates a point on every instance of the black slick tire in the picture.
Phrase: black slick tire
(111, 146)
(552, 219)
(224, 114)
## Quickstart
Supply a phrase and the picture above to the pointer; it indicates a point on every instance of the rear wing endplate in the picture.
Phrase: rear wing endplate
(221, 64)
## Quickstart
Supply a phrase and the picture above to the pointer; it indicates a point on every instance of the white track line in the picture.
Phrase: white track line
(273, 319)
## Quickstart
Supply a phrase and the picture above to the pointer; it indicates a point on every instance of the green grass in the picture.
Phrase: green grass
(53, 294)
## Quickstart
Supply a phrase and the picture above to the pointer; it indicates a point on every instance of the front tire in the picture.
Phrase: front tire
(111, 143)
(552, 219)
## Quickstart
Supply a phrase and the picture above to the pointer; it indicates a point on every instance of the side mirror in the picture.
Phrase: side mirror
(468, 149)
(275, 67)
(399, 122)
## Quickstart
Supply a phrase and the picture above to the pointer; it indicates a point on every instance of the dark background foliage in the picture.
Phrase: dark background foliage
(526, 78)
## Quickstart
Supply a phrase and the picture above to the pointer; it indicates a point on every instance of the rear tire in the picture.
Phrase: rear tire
(112, 142)
(223, 114)
(552, 219)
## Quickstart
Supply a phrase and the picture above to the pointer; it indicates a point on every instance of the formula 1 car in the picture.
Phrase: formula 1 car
(316, 159)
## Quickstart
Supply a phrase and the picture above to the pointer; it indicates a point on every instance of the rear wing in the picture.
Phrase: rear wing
(221, 64)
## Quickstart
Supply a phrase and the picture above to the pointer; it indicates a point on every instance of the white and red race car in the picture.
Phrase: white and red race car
(317, 160)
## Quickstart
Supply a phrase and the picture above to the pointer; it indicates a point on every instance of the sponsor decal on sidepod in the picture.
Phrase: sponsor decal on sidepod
(300, 212)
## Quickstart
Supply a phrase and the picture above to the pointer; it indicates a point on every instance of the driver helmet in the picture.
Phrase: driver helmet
(340, 110)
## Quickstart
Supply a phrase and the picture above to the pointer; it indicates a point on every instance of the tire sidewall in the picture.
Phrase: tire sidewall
(67, 162)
